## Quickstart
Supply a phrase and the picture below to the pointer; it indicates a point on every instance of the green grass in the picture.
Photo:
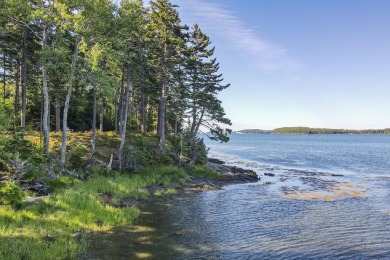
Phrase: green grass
(44, 230)
(164, 192)
(203, 171)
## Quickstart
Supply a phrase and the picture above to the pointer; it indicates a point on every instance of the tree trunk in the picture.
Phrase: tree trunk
(120, 106)
(101, 114)
(4, 79)
(57, 113)
(66, 107)
(16, 100)
(124, 123)
(193, 124)
(196, 129)
(199, 123)
(175, 133)
(41, 124)
(45, 91)
(143, 107)
(162, 114)
(24, 80)
(94, 119)
(116, 112)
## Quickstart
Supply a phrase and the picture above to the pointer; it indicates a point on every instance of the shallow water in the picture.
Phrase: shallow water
(318, 211)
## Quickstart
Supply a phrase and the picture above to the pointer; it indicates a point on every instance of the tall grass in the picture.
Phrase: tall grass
(46, 229)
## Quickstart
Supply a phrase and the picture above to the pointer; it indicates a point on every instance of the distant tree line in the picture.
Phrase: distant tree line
(253, 131)
(307, 130)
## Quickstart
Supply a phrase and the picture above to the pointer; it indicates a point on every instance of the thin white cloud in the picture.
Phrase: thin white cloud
(218, 20)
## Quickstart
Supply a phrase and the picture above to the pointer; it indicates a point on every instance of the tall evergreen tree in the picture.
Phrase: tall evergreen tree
(166, 30)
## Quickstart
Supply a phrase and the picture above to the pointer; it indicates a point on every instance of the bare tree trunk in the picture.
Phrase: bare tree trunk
(94, 119)
(196, 129)
(199, 123)
(162, 114)
(175, 132)
(101, 115)
(24, 81)
(124, 123)
(41, 124)
(193, 124)
(16, 100)
(58, 113)
(66, 107)
(116, 111)
(143, 107)
(120, 106)
(45, 91)
(4, 79)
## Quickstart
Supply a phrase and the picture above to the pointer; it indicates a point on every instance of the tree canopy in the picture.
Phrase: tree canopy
(142, 70)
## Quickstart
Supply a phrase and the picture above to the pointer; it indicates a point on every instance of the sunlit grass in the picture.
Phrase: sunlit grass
(164, 192)
(46, 229)
(203, 171)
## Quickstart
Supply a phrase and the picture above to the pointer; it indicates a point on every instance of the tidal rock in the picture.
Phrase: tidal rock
(214, 160)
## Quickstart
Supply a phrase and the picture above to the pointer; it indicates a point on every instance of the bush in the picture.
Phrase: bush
(77, 157)
(10, 194)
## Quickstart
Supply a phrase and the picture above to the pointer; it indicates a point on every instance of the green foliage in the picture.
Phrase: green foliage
(165, 192)
(165, 175)
(10, 194)
(100, 171)
(203, 171)
(61, 183)
(77, 156)
(5, 118)
(308, 130)
(253, 131)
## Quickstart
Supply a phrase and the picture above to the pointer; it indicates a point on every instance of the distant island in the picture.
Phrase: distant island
(308, 130)
(253, 131)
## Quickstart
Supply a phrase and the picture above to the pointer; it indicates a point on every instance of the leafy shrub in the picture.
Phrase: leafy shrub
(10, 194)
(77, 157)
(4, 166)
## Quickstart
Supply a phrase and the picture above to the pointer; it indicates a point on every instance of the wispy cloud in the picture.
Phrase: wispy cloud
(218, 20)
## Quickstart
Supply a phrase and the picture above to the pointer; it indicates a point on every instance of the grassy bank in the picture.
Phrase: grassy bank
(88, 197)
(57, 227)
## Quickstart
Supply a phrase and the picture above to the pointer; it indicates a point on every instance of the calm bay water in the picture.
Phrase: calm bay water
(357, 154)
(329, 198)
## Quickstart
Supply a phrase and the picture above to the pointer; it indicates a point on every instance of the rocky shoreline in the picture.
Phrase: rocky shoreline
(227, 175)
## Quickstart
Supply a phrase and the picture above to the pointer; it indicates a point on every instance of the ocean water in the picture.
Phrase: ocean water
(354, 154)
(319, 197)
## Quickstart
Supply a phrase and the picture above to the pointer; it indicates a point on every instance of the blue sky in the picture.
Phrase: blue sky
(323, 63)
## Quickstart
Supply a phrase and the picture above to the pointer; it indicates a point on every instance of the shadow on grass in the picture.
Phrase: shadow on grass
(150, 237)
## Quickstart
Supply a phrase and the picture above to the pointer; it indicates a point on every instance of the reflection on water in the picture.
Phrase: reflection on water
(258, 221)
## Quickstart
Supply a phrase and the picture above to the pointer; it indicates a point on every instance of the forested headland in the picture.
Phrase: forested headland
(97, 102)
(308, 130)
